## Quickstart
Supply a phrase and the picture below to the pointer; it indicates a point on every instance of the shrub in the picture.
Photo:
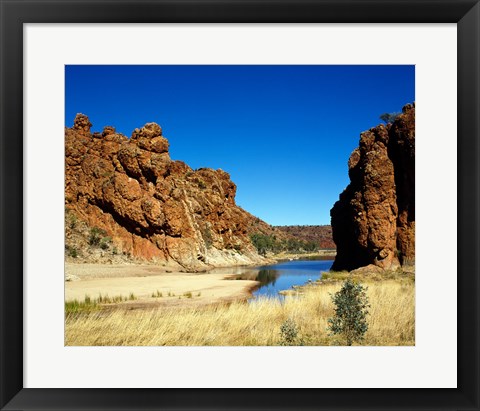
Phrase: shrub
(288, 333)
(71, 251)
(311, 246)
(389, 117)
(104, 242)
(351, 310)
(95, 236)
(207, 237)
(72, 220)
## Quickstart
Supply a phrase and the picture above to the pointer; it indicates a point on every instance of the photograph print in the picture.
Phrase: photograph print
(239, 205)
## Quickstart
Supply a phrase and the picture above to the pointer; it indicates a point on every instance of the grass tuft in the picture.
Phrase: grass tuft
(91, 304)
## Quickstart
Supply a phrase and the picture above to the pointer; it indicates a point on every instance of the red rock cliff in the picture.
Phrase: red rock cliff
(151, 206)
(374, 220)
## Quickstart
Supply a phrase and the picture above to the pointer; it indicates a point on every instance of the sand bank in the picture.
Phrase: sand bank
(143, 281)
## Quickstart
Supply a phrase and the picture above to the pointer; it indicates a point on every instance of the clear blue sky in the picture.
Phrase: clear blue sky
(284, 133)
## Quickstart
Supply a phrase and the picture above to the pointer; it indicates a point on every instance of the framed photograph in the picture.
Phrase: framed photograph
(213, 205)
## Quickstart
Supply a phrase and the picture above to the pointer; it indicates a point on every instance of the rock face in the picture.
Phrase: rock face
(154, 208)
(374, 220)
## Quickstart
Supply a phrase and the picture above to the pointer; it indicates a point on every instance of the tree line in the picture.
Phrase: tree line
(265, 243)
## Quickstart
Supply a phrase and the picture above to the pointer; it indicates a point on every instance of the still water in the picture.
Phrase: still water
(282, 276)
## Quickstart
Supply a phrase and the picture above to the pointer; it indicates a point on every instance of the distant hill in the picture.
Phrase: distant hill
(320, 234)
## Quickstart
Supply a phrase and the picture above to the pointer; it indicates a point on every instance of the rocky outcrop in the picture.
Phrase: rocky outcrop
(152, 207)
(374, 220)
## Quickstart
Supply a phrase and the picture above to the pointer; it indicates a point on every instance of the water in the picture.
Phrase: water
(282, 276)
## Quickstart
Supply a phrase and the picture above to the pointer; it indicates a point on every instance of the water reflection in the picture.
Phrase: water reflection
(267, 276)
(263, 275)
(282, 276)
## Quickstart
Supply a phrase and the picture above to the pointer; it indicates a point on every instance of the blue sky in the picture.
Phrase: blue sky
(284, 133)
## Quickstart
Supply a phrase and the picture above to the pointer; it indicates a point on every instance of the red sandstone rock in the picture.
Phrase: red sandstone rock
(151, 206)
(82, 124)
(374, 220)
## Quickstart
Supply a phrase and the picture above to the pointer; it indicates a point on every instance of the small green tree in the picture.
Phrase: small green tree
(389, 117)
(288, 333)
(351, 310)
(263, 242)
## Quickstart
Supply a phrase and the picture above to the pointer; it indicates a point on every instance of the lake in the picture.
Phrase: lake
(282, 276)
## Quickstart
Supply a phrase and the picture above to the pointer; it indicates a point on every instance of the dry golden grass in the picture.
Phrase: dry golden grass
(391, 320)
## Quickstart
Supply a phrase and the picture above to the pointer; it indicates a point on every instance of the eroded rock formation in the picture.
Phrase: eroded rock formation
(374, 220)
(151, 206)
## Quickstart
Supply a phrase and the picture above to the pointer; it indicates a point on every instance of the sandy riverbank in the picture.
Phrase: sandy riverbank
(144, 281)
(162, 285)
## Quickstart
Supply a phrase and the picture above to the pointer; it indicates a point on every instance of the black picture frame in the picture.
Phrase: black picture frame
(14, 13)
